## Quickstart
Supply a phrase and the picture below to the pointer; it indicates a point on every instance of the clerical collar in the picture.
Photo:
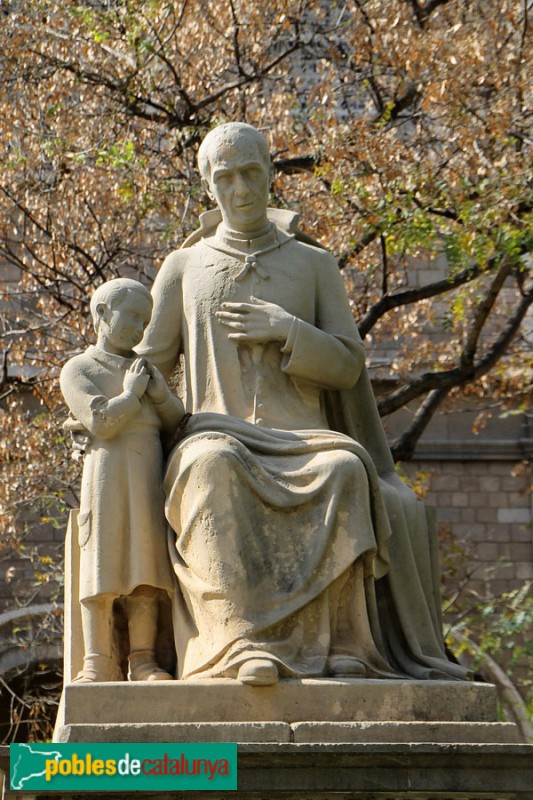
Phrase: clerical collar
(247, 249)
(239, 241)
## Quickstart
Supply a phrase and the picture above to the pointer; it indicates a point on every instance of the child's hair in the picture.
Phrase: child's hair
(111, 294)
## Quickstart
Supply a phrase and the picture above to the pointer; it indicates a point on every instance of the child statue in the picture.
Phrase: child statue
(124, 403)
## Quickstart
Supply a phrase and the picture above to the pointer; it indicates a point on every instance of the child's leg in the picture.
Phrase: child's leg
(97, 625)
(142, 611)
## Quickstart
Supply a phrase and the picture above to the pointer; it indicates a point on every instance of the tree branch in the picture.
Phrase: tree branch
(291, 166)
(370, 236)
(391, 111)
(236, 43)
(402, 449)
(229, 87)
(385, 265)
(492, 672)
(137, 105)
(408, 296)
(422, 13)
(481, 315)
(458, 376)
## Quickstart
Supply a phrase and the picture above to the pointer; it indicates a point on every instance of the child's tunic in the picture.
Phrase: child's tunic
(122, 527)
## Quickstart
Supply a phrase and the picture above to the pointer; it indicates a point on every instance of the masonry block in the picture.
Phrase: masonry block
(517, 515)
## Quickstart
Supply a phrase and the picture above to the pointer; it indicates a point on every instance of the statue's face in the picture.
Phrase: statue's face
(123, 326)
(239, 183)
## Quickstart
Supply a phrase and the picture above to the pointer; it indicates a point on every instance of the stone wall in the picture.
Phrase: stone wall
(486, 506)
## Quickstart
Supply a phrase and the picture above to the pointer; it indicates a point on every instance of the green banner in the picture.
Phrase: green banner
(123, 767)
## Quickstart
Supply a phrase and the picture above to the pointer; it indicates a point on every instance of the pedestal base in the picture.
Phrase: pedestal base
(297, 711)
(359, 772)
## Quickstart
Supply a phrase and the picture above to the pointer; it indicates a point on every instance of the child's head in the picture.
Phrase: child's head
(121, 310)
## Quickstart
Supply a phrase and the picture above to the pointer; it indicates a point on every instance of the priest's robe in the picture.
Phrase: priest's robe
(281, 492)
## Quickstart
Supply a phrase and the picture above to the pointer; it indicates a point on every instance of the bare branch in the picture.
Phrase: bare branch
(230, 87)
(236, 43)
(458, 376)
(431, 5)
(361, 8)
(3, 366)
(422, 13)
(291, 166)
(391, 111)
(403, 448)
(481, 315)
(408, 296)
(385, 266)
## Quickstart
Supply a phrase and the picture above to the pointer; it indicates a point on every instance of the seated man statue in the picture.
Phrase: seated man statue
(297, 550)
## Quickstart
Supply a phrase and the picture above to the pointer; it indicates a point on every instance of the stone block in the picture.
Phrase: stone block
(441, 499)
(524, 571)
(510, 483)
(491, 483)
(460, 500)
(498, 586)
(179, 732)
(471, 485)
(521, 552)
(470, 530)
(226, 700)
(497, 500)
(520, 535)
(487, 551)
(449, 515)
(488, 515)
(516, 515)
(518, 499)
(504, 571)
(405, 732)
(468, 515)
(504, 550)
(500, 468)
(478, 499)
(446, 483)
(497, 533)
(512, 586)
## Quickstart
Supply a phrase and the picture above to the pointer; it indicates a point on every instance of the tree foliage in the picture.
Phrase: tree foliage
(400, 129)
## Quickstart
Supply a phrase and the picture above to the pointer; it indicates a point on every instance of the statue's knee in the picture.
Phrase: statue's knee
(351, 466)
(215, 460)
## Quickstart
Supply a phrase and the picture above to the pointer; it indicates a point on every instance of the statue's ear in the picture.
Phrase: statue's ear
(207, 188)
(100, 310)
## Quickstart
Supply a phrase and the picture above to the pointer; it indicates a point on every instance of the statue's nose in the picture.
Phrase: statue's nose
(240, 185)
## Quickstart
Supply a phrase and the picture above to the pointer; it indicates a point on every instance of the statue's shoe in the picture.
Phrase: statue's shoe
(258, 672)
(144, 667)
(88, 677)
(98, 669)
(346, 667)
(149, 672)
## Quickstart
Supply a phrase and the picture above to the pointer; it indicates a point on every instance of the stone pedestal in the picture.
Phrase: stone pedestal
(298, 711)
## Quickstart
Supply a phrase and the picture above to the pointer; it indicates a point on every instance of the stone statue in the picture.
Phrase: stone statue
(297, 550)
(123, 402)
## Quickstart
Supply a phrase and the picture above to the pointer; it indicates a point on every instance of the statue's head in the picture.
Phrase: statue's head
(234, 162)
(121, 310)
